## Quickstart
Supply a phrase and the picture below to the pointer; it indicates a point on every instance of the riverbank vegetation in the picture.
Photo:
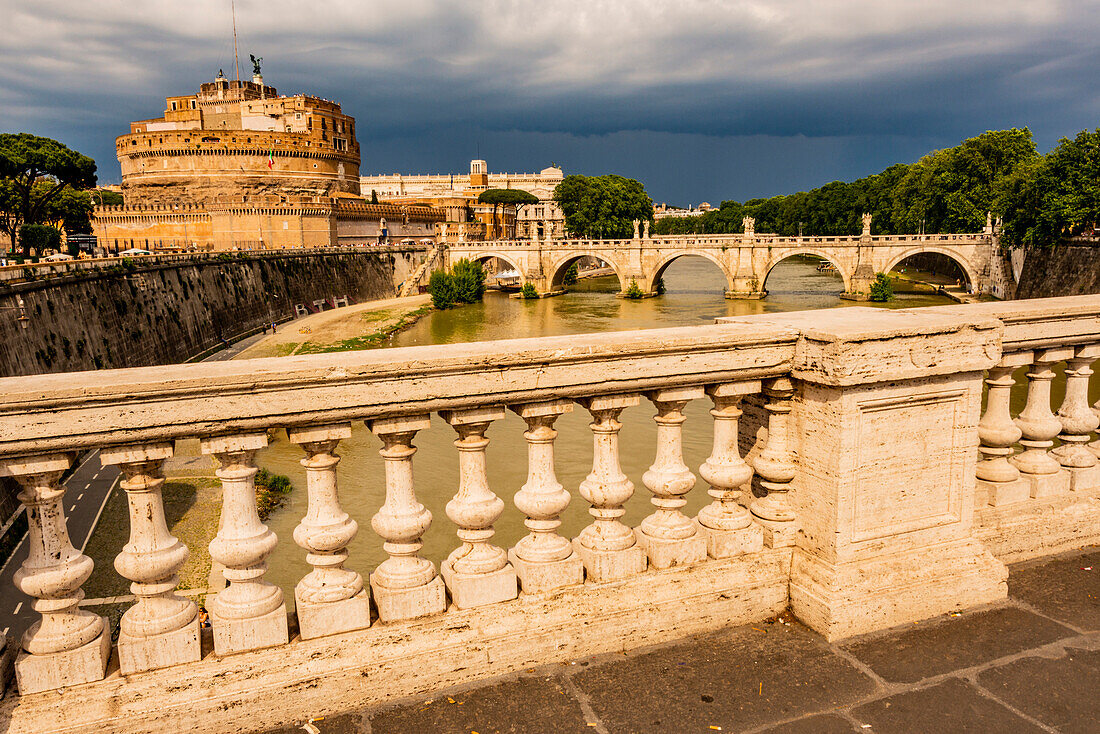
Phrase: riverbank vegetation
(602, 206)
(464, 284)
(1041, 198)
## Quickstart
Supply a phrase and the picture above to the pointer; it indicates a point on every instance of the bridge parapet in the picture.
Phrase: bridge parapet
(744, 259)
(855, 428)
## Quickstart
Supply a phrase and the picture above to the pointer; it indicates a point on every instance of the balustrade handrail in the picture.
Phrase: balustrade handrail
(65, 412)
(1037, 323)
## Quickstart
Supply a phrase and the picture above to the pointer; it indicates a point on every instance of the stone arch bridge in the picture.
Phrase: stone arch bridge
(744, 259)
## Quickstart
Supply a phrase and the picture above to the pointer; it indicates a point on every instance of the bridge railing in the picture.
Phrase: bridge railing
(843, 458)
(731, 240)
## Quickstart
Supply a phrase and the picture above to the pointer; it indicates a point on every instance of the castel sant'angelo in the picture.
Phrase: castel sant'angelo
(237, 166)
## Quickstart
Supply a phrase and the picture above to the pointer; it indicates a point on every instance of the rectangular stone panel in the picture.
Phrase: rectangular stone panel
(909, 473)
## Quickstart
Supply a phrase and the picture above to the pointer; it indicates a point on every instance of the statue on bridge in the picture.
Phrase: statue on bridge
(866, 223)
(750, 226)
(636, 223)
(645, 229)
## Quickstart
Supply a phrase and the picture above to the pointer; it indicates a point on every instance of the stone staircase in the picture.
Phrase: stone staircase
(412, 281)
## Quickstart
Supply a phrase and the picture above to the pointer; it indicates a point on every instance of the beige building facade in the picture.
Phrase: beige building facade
(237, 166)
(458, 194)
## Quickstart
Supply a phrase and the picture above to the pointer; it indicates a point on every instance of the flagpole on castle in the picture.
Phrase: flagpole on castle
(236, 60)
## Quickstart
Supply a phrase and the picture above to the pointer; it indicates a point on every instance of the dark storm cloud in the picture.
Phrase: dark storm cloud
(695, 97)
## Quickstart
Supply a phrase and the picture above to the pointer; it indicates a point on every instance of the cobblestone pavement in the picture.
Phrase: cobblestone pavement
(1031, 664)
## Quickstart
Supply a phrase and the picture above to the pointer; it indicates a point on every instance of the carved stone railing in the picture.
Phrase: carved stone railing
(856, 430)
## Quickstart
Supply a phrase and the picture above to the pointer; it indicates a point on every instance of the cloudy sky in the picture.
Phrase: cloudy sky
(700, 99)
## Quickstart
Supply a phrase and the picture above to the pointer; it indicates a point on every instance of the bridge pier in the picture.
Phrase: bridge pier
(746, 288)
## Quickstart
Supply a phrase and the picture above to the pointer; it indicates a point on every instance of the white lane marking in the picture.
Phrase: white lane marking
(13, 552)
(18, 607)
(96, 475)
(79, 496)
(86, 460)
(96, 520)
(88, 486)
(73, 508)
(5, 632)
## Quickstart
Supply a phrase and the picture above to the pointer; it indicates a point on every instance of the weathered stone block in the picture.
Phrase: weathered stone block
(601, 566)
(778, 534)
(418, 601)
(545, 577)
(241, 635)
(841, 600)
(137, 654)
(332, 618)
(999, 494)
(36, 673)
(730, 543)
(668, 553)
(1048, 485)
(1084, 480)
(475, 590)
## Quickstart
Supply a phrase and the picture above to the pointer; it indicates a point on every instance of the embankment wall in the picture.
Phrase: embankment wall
(167, 313)
(1065, 270)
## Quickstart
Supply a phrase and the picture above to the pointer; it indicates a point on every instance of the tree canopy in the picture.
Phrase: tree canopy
(33, 173)
(507, 197)
(1055, 196)
(602, 206)
(945, 191)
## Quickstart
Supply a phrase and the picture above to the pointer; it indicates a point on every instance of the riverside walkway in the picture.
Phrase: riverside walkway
(1030, 664)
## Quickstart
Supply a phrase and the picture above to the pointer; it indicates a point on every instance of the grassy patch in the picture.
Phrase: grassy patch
(368, 340)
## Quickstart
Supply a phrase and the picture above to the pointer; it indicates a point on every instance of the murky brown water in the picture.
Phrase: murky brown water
(694, 297)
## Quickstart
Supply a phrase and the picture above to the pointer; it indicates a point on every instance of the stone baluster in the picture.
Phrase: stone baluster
(776, 468)
(330, 599)
(68, 645)
(249, 613)
(1078, 422)
(1039, 427)
(999, 481)
(669, 537)
(477, 572)
(404, 585)
(162, 628)
(544, 560)
(725, 523)
(1094, 447)
(608, 547)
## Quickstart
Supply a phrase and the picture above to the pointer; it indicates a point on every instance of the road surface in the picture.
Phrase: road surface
(86, 494)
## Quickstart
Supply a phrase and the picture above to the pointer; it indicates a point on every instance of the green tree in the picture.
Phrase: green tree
(38, 238)
(602, 206)
(570, 276)
(469, 281)
(441, 287)
(881, 290)
(633, 292)
(504, 198)
(25, 162)
(528, 291)
(1055, 197)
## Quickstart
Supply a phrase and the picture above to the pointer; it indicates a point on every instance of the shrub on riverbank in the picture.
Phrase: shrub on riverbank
(464, 284)
(528, 291)
(633, 292)
(271, 492)
(881, 290)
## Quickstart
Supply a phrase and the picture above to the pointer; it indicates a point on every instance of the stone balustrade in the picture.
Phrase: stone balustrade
(854, 477)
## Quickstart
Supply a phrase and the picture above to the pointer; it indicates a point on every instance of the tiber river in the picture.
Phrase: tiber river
(694, 296)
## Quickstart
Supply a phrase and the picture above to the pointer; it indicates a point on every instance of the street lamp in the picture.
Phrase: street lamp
(22, 318)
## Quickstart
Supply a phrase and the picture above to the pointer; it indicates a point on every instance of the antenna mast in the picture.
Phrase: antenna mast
(236, 61)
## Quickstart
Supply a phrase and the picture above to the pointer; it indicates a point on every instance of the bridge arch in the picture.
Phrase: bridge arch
(667, 260)
(557, 271)
(830, 258)
(484, 256)
(951, 254)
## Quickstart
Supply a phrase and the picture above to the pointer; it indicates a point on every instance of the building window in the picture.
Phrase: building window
(173, 105)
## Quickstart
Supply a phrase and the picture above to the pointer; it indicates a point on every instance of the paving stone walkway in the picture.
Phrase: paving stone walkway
(1031, 664)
